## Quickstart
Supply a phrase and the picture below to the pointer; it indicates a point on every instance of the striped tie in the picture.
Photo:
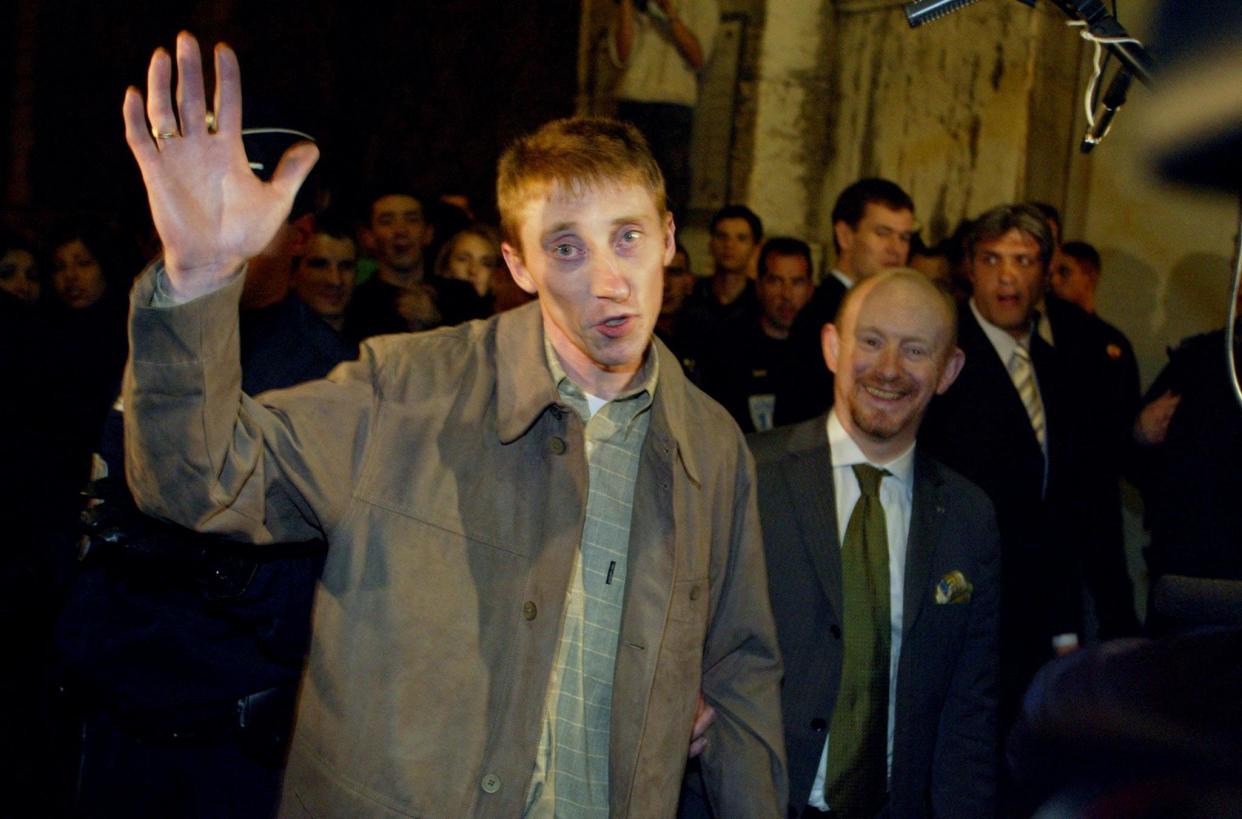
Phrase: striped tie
(1023, 375)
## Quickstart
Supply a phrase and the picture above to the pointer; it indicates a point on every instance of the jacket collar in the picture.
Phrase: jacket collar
(525, 388)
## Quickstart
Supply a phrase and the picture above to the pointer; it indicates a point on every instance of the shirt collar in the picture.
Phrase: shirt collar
(572, 392)
(1002, 342)
(846, 452)
(841, 277)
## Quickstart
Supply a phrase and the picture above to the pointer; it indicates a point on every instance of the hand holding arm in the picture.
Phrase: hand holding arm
(687, 43)
(1152, 424)
(211, 211)
(624, 30)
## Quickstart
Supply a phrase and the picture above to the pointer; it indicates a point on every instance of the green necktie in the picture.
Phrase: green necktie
(858, 738)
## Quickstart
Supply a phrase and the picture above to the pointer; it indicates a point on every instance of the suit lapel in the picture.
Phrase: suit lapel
(807, 469)
(926, 516)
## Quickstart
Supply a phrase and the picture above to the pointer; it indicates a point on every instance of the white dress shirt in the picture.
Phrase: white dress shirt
(896, 493)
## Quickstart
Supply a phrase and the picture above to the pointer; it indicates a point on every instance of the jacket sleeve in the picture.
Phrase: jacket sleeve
(744, 762)
(201, 453)
(965, 766)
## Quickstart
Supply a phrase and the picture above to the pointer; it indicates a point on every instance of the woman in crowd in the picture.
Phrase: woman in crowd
(473, 255)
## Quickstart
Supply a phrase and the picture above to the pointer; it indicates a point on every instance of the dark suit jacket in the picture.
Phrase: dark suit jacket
(944, 745)
(1104, 378)
(980, 428)
(804, 387)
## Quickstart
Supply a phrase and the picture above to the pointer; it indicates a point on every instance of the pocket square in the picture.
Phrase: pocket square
(953, 588)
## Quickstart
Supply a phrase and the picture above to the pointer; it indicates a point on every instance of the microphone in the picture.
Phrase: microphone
(924, 11)
(1114, 98)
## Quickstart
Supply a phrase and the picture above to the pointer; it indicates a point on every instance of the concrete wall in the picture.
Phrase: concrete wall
(981, 107)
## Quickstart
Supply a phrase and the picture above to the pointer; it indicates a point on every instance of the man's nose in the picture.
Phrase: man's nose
(887, 363)
(607, 281)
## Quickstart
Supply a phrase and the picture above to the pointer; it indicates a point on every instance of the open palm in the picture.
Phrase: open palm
(211, 211)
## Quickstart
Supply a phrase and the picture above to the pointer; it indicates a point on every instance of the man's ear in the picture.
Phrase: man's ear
(429, 233)
(845, 237)
(670, 239)
(302, 229)
(831, 341)
(513, 259)
(952, 367)
(366, 241)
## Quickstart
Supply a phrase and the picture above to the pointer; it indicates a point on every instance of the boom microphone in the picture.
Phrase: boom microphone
(924, 11)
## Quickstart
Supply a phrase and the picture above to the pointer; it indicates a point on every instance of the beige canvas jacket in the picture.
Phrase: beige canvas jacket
(451, 488)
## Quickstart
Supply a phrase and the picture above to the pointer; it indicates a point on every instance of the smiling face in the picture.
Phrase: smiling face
(1007, 276)
(324, 277)
(399, 232)
(596, 259)
(891, 351)
(76, 275)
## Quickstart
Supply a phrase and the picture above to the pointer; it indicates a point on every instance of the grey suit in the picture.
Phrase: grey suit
(944, 746)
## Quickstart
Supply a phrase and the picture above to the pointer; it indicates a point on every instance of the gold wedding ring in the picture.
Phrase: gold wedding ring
(211, 122)
(158, 134)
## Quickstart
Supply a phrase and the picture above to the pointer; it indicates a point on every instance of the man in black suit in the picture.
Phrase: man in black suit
(1005, 426)
(891, 351)
(872, 225)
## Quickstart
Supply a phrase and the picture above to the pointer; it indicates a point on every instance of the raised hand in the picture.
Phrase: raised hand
(211, 211)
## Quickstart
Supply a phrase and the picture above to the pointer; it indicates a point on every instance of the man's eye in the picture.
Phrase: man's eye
(564, 251)
(883, 231)
(916, 352)
(631, 236)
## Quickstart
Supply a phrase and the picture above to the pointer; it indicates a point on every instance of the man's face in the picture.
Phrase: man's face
(596, 259)
(890, 354)
(1007, 275)
(732, 245)
(324, 278)
(399, 232)
(678, 282)
(783, 291)
(18, 275)
(880, 240)
(1072, 281)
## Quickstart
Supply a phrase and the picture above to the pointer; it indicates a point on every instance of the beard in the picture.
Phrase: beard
(875, 422)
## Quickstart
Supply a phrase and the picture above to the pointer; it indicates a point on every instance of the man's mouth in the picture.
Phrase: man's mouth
(891, 393)
(616, 326)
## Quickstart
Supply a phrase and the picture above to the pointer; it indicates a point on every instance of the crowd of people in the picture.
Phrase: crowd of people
(1048, 445)
(399, 511)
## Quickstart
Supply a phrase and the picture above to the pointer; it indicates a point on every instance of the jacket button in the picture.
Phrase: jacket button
(530, 610)
(557, 445)
(490, 783)
(836, 631)
(818, 725)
